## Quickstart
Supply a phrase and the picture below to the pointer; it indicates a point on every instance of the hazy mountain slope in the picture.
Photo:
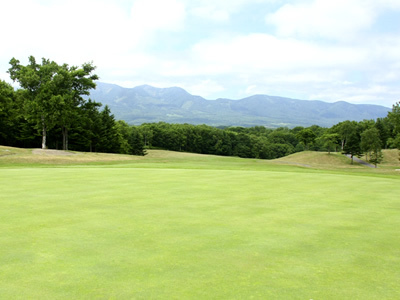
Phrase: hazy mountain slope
(174, 105)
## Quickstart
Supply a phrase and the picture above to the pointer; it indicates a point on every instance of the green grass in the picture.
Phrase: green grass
(184, 226)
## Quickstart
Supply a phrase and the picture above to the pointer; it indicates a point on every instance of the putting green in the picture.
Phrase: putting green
(123, 233)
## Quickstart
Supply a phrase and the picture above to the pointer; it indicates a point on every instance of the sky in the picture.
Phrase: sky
(329, 50)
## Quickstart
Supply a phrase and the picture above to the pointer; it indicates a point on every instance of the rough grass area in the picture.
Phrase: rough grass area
(10, 156)
(337, 161)
(391, 158)
(318, 159)
(183, 226)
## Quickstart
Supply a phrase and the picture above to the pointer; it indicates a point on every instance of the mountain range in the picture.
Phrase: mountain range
(147, 104)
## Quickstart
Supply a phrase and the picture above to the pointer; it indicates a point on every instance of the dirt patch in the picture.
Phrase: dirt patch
(51, 152)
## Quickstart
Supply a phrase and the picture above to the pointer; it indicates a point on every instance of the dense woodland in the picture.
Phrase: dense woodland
(51, 109)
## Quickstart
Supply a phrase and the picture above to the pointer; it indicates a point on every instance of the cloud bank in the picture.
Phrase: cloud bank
(315, 49)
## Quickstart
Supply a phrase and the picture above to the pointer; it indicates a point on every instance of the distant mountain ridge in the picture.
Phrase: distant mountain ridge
(146, 104)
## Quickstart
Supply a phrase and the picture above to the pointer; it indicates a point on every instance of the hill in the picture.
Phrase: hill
(145, 104)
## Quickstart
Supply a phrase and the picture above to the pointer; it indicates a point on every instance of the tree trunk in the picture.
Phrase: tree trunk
(65, 137)
(43, 134)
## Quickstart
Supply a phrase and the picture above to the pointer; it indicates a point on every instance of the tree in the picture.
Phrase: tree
(345, 130)
(382, 124)
(41, 100)
(243, 147)
(123, 133)
(71, 84)
(372, 145)
(7, 113)
(282, 137)
(147, 134)
(108, 135)
(352, 146)
(394, 117)
(136, 141)
(306, 136)
(53, 93)
(130, 139)
(330, 141)
(88, 127)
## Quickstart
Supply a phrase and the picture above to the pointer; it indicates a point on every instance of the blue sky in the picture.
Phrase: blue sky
(306, 49)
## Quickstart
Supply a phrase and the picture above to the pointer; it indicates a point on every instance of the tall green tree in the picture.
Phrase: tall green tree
(394, 120)
(7, 113)
(147, 134)
(383, 126)
(345, 129)
(87, 129)
(306, 136)
(72, 83)
(136, 141)
(352, 146)
(36, 79)
(394, 117)
(53, 93)
(330, 141)
(371, 145)
(108, 133)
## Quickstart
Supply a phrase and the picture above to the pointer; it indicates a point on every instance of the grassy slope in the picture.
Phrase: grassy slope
(12, 157)
(174, 225)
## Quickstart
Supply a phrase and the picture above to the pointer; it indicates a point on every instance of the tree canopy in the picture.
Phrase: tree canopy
(53, 93)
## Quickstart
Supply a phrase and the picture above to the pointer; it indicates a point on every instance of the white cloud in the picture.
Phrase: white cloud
(76, 31)
(358, 94)
(119, 37)
(339, 19)
(152, 15)
(387, 4)
(208, 85)
(211, 12)
(219, 10)
(263, 51)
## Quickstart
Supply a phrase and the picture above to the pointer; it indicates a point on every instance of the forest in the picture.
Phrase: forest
(51, 108)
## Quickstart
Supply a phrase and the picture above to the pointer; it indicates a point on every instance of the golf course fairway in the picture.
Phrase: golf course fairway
(153, 229)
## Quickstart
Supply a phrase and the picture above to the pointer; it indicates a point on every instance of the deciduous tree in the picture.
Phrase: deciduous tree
(39, 92)
(72, 83)
(330, 141)
(7, 112)
(306, 136)
(371, 145)
(53, 93)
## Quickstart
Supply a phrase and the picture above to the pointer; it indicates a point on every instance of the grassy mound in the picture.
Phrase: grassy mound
(318, 159)
(337, 161)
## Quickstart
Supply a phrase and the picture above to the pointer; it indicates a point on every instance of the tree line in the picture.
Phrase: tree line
(367, 137)
(52, 108)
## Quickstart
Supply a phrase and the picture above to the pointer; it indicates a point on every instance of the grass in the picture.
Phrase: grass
(10, 156)
(186, 226)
